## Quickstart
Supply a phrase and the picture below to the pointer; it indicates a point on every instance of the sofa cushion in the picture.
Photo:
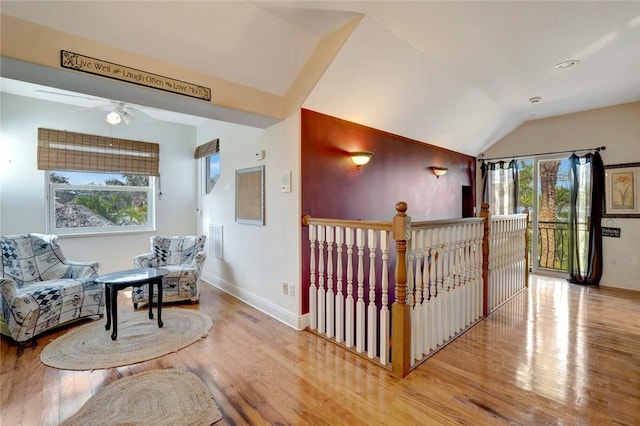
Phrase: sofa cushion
(176, 250)
(40, 306)
(32, 258)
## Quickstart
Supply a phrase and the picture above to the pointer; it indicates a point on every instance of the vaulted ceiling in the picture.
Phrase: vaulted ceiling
(451, 73)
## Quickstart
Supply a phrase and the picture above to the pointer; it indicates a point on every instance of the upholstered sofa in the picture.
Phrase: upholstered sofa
(183, 257)
(41, 289)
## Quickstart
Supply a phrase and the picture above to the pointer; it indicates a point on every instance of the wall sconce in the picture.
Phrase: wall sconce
(360, 158)
(439, 171)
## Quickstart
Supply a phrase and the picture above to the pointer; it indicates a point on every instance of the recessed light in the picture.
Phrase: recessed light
(566, 64)
(535, 99)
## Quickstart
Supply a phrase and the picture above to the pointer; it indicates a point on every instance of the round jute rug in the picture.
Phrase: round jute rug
(158, 397)
(90, 347)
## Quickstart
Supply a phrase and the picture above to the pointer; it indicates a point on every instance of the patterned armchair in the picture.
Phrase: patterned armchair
(41, 289)
(183, 257)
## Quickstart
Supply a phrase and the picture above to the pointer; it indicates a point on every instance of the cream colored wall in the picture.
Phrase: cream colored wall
(36, 44)
(33, 43)
(23, 204)
(257, 259)
(617, 128)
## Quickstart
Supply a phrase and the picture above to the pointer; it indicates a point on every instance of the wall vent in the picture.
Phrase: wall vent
(215, 240)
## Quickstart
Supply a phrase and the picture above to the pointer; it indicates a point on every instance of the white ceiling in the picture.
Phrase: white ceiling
(452, 73)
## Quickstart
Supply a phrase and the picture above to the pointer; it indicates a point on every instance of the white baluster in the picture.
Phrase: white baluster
(330, 326)
(313, 290)
(447, 285)
(321, 289)
(440, 293)
(480, 269)
(455, 302)
(384, 310)
(466, 275)
(349, 330)
(360, 305)
(372, 314)
(432, 243)
(417, 336)
(339, 294)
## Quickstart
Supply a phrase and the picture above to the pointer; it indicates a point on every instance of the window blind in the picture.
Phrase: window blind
(207, 149)
(79, 152)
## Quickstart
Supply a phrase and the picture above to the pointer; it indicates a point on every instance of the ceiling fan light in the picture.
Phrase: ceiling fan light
(113, 118)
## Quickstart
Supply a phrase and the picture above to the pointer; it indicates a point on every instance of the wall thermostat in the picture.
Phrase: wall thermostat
(285, 181)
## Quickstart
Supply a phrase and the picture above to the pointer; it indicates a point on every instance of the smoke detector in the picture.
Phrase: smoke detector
(535, 99)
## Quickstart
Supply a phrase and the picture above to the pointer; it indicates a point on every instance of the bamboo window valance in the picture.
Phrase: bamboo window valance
(207, 149)
(70, 151)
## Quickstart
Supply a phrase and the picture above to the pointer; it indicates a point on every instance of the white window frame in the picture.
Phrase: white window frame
(51, 222)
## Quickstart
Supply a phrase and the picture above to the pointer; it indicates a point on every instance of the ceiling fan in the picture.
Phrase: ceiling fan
(117, 111)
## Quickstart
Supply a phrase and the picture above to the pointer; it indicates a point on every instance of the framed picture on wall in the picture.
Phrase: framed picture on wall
(621, 185)
(250, 195)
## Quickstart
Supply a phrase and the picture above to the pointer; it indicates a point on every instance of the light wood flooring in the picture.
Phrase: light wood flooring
(556, 354)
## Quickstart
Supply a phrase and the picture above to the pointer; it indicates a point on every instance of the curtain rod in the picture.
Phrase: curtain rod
(513, 157)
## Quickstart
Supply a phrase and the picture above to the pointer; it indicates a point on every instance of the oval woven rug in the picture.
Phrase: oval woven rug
(158, 397)
(90, 347)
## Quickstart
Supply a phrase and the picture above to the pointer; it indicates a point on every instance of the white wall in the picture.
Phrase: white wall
(257, 259)
(617, 128)
(23, 203)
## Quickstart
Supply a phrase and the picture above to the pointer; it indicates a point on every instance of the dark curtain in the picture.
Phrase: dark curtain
(500, 186)
(585, 217)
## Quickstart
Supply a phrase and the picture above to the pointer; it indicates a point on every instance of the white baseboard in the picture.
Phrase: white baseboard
(292, 320)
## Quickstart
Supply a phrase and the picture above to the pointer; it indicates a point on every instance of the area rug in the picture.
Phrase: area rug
(158, 397)
(90, 347)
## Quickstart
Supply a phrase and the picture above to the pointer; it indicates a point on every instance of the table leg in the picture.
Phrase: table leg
(107, 302)
(114, 312)
(160, 324)
(150, 285)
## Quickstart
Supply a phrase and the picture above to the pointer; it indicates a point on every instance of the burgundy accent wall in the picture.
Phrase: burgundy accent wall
(332, 186)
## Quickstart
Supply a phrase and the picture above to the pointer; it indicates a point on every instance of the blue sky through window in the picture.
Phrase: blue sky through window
(84, 178)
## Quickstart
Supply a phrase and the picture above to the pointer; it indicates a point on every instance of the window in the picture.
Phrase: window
(210, 154)
(81, 202)
(211, 171)
(97, 183)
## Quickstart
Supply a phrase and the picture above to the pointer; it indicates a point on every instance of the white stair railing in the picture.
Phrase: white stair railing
(444, 280)
(507, 260)
(361, 319)
(450, 282)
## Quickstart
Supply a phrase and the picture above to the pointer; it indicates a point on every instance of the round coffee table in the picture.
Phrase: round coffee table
(130, 278)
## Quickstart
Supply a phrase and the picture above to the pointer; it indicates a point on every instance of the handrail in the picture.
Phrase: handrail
(507, 216)
(381, 226)
(445, 222)
(385, 226)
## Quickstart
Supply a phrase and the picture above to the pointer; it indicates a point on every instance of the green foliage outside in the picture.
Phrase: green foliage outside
(122, 208)
(559, 227)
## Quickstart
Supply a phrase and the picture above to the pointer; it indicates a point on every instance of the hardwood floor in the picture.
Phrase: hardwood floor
(556, 354)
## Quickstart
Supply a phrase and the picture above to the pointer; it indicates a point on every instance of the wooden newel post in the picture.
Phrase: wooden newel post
(400, 312)
(484, 213)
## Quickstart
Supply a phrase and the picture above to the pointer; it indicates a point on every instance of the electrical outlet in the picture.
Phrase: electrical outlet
(285, 289)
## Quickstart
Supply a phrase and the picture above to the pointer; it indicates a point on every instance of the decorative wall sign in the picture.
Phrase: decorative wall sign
(610, 232)
(102, 68)
(622, 190)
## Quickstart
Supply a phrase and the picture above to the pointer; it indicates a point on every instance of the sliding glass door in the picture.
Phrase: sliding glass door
(544, 193)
